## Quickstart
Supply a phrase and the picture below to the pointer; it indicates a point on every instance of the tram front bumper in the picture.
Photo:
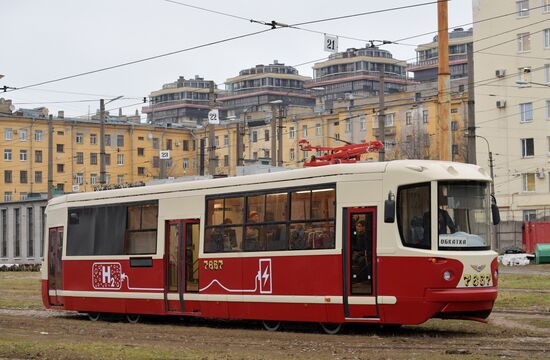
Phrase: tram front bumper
(461, 295)
(463, 303)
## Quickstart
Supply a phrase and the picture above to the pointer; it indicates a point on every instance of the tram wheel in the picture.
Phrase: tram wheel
(331, 328)
(133, 318)
(271, 325)
(94, 316)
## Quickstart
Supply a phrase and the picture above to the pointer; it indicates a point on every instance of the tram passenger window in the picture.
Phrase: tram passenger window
(276, 204)
(215, 212)
(413, 215)
(256, 206)
(141, 234)
(298, 238)
(234, 210)
(276, 237)
(300, 205)
(321, 235)
(323, 203)
(223, 239)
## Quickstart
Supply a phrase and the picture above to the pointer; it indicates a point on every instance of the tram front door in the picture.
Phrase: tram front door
(181, 258)
(360, 300)
(55, 265)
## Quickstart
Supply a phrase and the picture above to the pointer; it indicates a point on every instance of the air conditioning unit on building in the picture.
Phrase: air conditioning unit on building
(500, 73)
(540, 174)
(501, 104)
(178, 143)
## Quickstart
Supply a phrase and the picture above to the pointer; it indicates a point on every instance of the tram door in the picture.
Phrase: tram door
(182, 271)
(360, 300)
(55, 252)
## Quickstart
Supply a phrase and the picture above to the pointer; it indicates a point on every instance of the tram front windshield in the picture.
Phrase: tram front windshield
(463, 215)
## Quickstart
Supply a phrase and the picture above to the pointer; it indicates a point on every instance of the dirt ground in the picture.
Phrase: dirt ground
(36, 333)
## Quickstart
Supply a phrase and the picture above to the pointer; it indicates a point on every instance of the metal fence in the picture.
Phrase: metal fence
(509, 232)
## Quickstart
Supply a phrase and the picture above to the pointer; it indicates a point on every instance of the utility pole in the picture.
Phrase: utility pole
(102, 141)
(280, 136)
(273, 136)
(50, 156)
(443, 82)
(381, 114)
(471, 154)
(211, 132)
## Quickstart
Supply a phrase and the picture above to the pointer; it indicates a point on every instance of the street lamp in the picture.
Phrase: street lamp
(491, 165)
(524, 83)
(279, 103)
(102, 104)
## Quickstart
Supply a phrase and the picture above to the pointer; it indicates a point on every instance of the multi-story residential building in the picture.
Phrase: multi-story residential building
(132, 154)
(184, 101)
(255, 89)
(425, 66)
(512, 70)
(357, 71)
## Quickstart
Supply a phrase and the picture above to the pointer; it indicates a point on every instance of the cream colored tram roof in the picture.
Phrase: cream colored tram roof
(405, 171)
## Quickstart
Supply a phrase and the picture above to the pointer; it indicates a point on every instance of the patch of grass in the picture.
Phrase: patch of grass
(522, 300)
(524, 281)
(20, 290)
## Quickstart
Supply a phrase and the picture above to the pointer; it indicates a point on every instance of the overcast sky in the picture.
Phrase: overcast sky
(46, 40)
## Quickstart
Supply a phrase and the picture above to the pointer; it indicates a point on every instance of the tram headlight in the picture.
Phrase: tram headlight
(447, 275)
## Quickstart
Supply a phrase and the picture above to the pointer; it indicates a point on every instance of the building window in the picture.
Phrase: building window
(93, 179)
(168, 144)
(60, 168)
(522, 8)
(30, 233)
(120, 140)
(186, 144)
(141, 171)
(156, 143)
(17, 232)
(266, 154)
(38, 135)
(8, 177)
(23, 178)
(547, 73)
(548, 110)
(408, 118)
(59, 148)
(107, 179)
(454, 125)
(60, 187)
(8, 134)
(120, 179)
(348, 126)
(7, 154)
(317, 129)
(156, 162)
(524, 42)
(93, 158)
(107, 139)
(141, 151)
(38, 177)
(425, 116)
(61, 133)
(7, 196)
(454, 149)
(266, 135)
(292, 154)
(526, 112)
(225, 160)
(528, 181)
(186, 163)
(38, 156)
(23, 155)
(120, 159)
(23, 135)
(546, 4)
(304, 131)
(255, 155)
(527, 147)
(80, 157)
(547, 38)
(254, 136)
(291, 132)
(79, 179)
(141, 138)
(217, 141)
(107, 159)
(79, 139)
(93, 139)
(389, 120)
(529, 215)
(225, 141)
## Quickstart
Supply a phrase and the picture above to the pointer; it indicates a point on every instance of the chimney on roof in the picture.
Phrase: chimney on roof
(61, 114)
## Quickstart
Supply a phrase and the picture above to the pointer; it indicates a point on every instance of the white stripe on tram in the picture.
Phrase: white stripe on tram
(292, 299)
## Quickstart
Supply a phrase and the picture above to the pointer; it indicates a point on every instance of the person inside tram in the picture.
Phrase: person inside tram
(229, 235)
(361, 251)
(253, 232)
(444, 220)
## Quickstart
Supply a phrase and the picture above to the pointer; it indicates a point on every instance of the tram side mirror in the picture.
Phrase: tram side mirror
(73, 218)
(494, 210)
(389, 209)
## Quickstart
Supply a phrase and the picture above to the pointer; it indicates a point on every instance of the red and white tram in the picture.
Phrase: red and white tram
(392, 243)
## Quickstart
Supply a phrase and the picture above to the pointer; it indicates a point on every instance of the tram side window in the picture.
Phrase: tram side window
(226, 214)
(413, 215)
(112, 230)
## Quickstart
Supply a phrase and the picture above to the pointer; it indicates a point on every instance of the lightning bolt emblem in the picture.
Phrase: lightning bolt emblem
(265, 275)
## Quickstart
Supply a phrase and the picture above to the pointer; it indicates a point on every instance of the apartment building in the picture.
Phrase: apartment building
(512, 79)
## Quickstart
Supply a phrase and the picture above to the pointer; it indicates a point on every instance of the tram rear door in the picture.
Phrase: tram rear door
(181, 258)
(55, 265)
(360, 300)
